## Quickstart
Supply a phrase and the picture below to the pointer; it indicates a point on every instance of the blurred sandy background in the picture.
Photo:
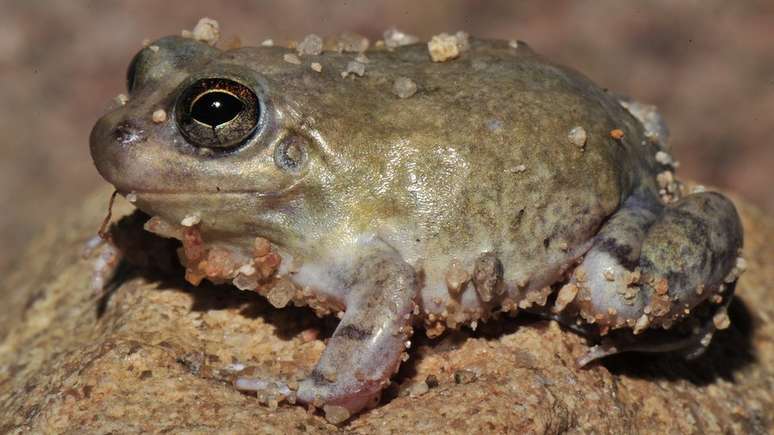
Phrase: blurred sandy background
(709, 66)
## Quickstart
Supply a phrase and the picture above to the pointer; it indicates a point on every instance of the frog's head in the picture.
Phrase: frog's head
(204, 133)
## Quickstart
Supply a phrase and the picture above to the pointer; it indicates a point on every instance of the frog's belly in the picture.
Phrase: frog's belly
(448, 296)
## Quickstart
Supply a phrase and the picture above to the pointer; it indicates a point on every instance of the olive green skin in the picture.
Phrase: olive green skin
(435, 175)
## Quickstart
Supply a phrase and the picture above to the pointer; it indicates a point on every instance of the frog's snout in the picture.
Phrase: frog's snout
(101, 145)
(116, 148)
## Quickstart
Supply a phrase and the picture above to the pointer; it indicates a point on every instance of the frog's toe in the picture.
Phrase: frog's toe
(267, 389)
(651, 265)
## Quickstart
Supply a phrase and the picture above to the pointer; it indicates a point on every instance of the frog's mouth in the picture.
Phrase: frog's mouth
(131, 194)
(218, 206)
(232, 211)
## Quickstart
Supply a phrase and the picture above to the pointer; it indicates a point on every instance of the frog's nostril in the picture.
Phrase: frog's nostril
(128, 133)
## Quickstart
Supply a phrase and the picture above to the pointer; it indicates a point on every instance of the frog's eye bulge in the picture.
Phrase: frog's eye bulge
(171, 53)
(217, 113)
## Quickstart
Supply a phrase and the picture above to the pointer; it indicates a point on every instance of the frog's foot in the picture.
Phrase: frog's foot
(367, 346)
(267, 389)
(651, 265)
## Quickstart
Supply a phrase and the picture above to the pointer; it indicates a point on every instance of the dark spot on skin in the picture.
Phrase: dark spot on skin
(546, 242)
(352, 332)
(127, 133)
(619, 251)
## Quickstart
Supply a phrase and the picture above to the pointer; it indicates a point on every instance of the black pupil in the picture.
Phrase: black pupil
(216, 107)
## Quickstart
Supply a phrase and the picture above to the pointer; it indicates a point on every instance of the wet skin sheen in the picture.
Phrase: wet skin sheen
(444, 208)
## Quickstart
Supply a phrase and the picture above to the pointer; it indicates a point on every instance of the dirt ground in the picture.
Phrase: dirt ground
(708, 65)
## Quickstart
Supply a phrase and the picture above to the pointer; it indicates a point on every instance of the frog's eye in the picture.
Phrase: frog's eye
(217, 113)
(290, 154)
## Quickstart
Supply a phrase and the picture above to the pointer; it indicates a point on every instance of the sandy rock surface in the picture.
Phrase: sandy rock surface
(151, 358)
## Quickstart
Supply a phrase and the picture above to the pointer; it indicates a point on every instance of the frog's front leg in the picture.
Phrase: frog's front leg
(650, 267)
(367, 346)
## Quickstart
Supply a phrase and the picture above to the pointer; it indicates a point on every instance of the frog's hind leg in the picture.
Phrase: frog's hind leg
(367, 346)
(650, 267)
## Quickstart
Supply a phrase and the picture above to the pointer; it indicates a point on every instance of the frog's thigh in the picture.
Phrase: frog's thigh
(650, 265)
(367, 346)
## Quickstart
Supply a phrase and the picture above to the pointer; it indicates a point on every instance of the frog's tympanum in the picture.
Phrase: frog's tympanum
(400, 192)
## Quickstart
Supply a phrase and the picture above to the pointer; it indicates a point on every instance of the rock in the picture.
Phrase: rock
(157, 354)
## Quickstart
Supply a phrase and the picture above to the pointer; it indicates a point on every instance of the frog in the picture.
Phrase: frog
(500, 183)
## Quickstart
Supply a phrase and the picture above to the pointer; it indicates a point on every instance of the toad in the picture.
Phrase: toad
(397, 191)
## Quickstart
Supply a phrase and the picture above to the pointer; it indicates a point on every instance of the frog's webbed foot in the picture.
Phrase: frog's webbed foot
(369, 343)
(659, 267)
